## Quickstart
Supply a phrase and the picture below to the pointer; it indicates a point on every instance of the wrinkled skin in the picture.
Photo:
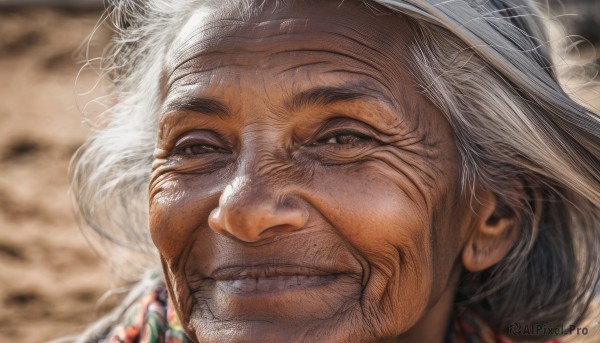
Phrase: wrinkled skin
(303, 190)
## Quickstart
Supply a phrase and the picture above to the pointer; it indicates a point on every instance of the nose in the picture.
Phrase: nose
(251, 212)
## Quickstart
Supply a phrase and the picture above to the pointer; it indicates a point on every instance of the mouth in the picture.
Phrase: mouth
(256, 280)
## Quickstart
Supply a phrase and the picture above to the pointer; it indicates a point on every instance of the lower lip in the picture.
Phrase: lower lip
(275, 284)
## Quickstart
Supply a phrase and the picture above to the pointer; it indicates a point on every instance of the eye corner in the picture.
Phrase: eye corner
(160, 153)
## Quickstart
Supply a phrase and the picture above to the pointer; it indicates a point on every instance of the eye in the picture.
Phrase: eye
(344, 138)
(198, 143)
(198, 149)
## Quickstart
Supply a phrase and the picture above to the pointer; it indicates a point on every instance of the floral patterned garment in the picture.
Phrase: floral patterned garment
(153, 320)
(150, 320)
(468, 327)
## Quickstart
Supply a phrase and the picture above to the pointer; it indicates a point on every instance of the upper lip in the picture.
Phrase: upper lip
(267, 270)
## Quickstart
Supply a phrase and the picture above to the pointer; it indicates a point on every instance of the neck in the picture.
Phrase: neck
(433, 326)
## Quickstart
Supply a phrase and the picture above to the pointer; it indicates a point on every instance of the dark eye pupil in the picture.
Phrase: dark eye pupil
(344, 139)
(347, 139)
(198, 149)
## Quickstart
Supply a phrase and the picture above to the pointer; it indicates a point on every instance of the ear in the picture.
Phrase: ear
(495, 232)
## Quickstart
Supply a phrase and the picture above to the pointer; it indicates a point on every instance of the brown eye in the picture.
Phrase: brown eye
(344, 138)
(198, 149)
(199, 143)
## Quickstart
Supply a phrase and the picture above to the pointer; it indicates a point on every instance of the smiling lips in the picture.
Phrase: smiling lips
(273, 284)
(269, 279)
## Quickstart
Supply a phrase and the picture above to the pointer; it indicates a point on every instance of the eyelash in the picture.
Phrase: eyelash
(358, 137)
(207, 149)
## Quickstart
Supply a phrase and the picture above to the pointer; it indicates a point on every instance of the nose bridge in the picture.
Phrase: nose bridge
(264, 167)
(247, 191)
(257, 203)
(257, 171)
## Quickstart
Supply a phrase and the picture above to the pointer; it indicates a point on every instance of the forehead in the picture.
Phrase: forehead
(349, 37)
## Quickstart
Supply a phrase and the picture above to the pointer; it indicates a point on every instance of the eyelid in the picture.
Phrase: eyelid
(199, 137)
(343, 132)
(359, 135)
(341, 126)
(207, 135)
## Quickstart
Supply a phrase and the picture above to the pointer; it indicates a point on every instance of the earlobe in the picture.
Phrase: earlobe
(495, 232)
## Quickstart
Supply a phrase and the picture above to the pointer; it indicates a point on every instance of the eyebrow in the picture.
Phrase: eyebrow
(328, 95)
(205, 105)
(322, 96)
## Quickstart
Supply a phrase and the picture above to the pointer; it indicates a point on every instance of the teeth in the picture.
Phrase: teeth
(270, 284)
(273, 284)
(292, 282)
(302, 279)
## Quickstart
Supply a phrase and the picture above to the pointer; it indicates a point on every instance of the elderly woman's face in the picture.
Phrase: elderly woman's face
(303, 188)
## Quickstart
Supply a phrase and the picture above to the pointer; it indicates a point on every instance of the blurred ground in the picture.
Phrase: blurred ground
(50, 280)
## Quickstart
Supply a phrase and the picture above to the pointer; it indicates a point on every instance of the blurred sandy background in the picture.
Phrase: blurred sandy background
(50, 280)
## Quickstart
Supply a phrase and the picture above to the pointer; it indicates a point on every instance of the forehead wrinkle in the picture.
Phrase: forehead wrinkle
(225, 36)
(294, 67)
(235, 44)
(216, 32)
(264, 30)
(201, 47)
(184, 47)
(231, 34)
(207, 65)
(180, 80)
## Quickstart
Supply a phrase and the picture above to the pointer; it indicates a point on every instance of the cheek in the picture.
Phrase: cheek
(392, 234)
(179, 208)
(179, 205)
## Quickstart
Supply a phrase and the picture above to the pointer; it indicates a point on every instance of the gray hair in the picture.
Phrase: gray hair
(486, 64)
